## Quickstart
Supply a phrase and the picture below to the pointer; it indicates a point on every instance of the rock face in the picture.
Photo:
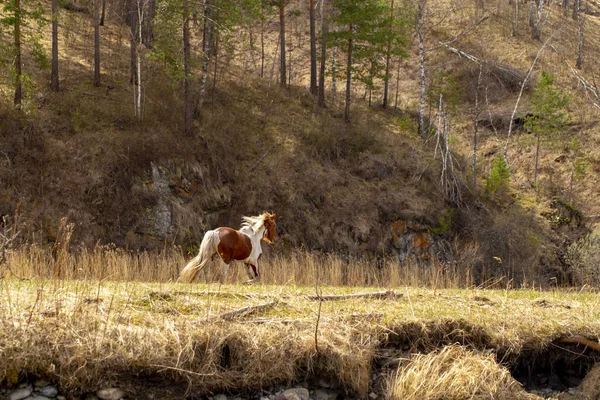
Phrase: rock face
(162, 216)
(415, 241)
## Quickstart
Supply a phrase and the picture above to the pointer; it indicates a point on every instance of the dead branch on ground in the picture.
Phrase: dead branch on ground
(388, 294)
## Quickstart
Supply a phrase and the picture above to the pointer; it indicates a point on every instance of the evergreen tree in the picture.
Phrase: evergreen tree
(548, 115)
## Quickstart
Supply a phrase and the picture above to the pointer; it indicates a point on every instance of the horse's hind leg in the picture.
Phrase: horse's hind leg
(224, 268)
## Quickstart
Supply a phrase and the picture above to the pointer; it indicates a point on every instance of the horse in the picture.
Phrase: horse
(230, 244)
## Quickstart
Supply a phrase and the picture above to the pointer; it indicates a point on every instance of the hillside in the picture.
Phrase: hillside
(368, 187)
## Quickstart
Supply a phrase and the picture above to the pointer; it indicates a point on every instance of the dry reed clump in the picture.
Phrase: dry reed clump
(295, 267)
(454, 373)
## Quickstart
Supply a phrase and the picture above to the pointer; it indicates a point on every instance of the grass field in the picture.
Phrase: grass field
(178, 338)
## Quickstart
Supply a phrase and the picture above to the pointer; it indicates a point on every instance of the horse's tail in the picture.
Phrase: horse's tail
(208, 247)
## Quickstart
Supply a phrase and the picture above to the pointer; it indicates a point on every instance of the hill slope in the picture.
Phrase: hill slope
(366, 187)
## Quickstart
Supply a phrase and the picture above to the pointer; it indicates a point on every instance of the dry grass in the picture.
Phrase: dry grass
(295, 268)
(89, 332)
(454, 373)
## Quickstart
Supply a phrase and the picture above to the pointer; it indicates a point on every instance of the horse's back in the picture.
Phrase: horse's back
(233, 245)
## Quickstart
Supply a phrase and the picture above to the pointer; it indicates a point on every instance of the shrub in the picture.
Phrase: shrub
(499, 175)
(583, 258)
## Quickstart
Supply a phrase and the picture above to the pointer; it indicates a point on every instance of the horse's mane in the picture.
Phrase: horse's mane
(254, 223)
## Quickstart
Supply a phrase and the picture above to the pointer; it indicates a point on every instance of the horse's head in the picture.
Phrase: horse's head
(270, 232)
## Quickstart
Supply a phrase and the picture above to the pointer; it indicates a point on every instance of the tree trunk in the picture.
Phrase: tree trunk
(531, 12)
(54, 84)
(537, 24)
(333, 74)
(282, 65)
(324, 33)
(206, 50)
(516, 24)
(565, 5)
(140, 20)
(579, 62)
(187, 81)
(133, 25)
(420, 20)
(387, 60)
(96, 42)
(397, 85)
(313, 49)
(103, 12)
(150, 24)
(537, 157)
(476, 125)
(348, 75)
(18, 100)
(262, 42)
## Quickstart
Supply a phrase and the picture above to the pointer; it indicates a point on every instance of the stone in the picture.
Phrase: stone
(324, 394)
(41, 383)
(49, 391)
(37, 398)
(110, 394)
(19, 394)
(373, 395)
(91, 397)
(294, 394)
(219, 397)
(61, 398)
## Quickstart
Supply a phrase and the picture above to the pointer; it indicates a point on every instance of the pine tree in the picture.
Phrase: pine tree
(548, 115)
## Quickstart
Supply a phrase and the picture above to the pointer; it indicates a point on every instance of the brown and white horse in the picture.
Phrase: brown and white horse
(229, 244)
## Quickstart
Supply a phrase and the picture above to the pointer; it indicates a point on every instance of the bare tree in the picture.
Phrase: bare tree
(423, 83)
(96, 42)
(516, 23)
(18, 63)
(103, 12)
(138, 40)
(187, 80)
(387, 60)
(313, 48)
(150, 22)
(133, 32)
(324, 33)
(206, 52)
(282, 67)
(54, 83)
(476, 124)
(348, 74)
(580, 22)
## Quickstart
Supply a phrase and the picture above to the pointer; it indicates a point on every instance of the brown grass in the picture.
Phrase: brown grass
(295, 268)
(90, 330)
(454, 373)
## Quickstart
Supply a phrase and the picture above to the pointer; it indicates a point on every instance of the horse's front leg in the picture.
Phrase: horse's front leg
(253, 275)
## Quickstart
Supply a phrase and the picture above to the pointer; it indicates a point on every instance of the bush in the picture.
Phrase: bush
(583, 258)
(499, 175)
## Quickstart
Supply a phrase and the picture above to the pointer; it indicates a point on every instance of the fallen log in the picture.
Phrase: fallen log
(577, 339)
(242, 312)
(388, 294)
